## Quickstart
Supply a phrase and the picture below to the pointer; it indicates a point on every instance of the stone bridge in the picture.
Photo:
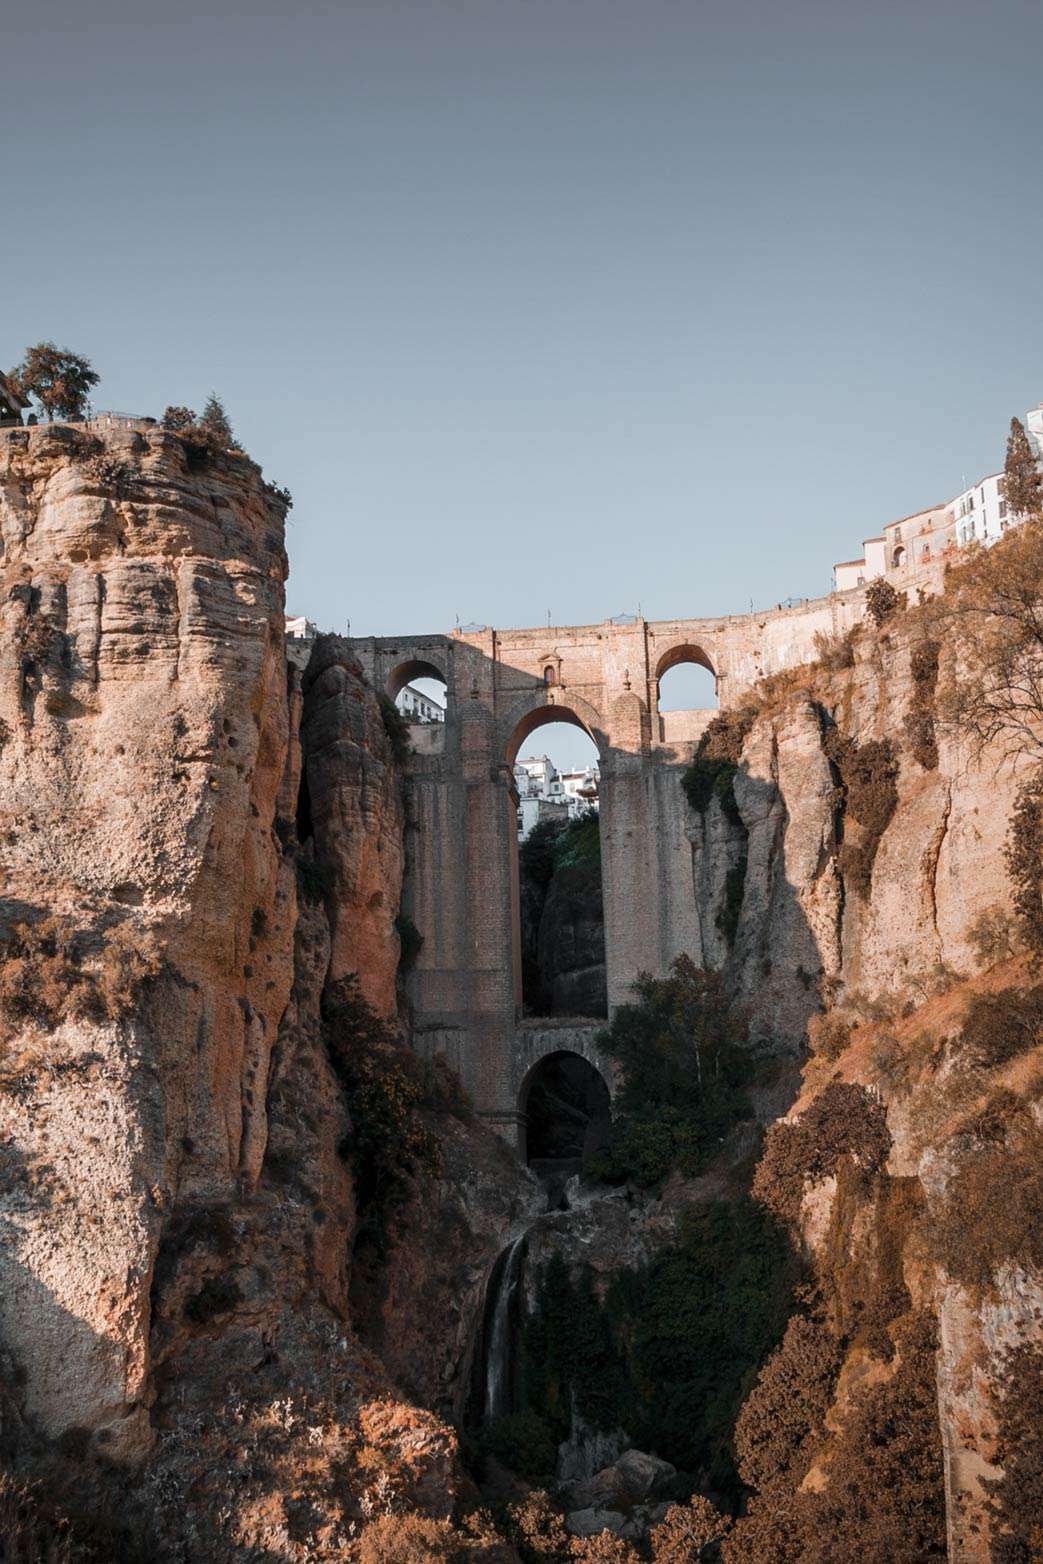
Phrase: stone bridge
(462, 858)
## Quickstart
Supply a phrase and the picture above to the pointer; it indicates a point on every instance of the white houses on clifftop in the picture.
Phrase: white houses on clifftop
(978, 515)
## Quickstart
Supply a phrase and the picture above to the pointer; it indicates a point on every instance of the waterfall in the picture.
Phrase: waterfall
(501, 1308)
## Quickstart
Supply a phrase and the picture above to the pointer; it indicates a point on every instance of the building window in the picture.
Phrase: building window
(1003, 509)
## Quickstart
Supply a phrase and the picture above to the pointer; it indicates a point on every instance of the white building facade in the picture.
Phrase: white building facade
(544, 793)
(977, 515)
(415, 706)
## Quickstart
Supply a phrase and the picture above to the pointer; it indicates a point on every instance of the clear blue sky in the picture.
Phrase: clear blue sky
(566, 305)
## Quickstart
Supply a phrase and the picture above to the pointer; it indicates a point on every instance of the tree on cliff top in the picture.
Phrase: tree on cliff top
(216, 424)
(1022, 485)
(59, 380)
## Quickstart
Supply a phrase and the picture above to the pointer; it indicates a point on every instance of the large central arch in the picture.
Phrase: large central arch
(543, 705)
(583, 914)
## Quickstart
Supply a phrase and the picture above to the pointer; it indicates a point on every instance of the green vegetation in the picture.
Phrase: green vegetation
(397, 729)
(716, 762)
(59, 380)
(389, 1142)
(919, 719)
(554, 845)
(728, 913)
(667, 1354)
(683, 1068)
(868, 796)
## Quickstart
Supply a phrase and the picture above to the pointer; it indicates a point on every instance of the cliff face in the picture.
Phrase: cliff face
(197, 848)
(143, 697)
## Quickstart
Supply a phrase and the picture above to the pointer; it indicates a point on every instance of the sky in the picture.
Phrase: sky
(544, 309)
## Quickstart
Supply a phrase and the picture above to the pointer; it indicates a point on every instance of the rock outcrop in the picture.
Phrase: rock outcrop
(198, 845)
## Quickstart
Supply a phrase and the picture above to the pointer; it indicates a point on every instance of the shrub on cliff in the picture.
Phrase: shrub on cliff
(991, 1210)
(716, 762)
(882, 601)
(998, 1027)
(388, 1142)
(783, 1419)
(868, 797)
(919, 719)
(992, 610)
(60, 381)
(397, 729)
(51, 972)
(844, 1121)
(1023, 853)
(683, 1072)
(883, 1497)
(1016, 1499)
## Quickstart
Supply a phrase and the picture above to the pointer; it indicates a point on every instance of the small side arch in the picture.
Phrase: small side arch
(683, 652)
(414, 668)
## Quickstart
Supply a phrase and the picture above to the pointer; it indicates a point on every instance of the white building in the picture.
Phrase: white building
(415, 706)
(978, 515)
(300, 636)
(544, 793)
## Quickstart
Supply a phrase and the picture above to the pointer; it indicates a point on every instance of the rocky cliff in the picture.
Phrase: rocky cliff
(248, 1234)
(199, 848)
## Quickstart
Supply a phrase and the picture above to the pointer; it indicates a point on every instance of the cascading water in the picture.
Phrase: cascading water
(496, 1401)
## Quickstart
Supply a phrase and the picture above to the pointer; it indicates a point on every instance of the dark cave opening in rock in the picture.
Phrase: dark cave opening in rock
(567, 1111)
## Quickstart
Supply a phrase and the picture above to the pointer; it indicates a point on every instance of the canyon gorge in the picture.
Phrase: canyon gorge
(316, 1247)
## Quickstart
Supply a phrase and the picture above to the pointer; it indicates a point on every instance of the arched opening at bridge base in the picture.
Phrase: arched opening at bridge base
(565, 1108)
(557, 912)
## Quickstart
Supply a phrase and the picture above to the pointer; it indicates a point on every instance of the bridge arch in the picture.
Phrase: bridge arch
(683, 652)
(564, 1099)
(548, 703)
(414, 668)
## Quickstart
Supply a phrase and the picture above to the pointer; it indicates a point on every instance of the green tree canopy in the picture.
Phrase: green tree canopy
(217, 425)
(59, 380)
(683, 1065)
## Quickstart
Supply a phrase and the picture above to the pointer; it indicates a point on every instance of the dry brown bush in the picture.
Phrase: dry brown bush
(537, 1529)
(783, 1418)
(884, 1497)
(834, 653)
(992, 935)
(998, 1027)
(844, 1120)
(421, 1539)
(992, 1209)
(604, 1548)
(992, 611)
(1017, 1498)
(687, 1530)
(830, 1033)
(29, 1534)
(51, 972)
